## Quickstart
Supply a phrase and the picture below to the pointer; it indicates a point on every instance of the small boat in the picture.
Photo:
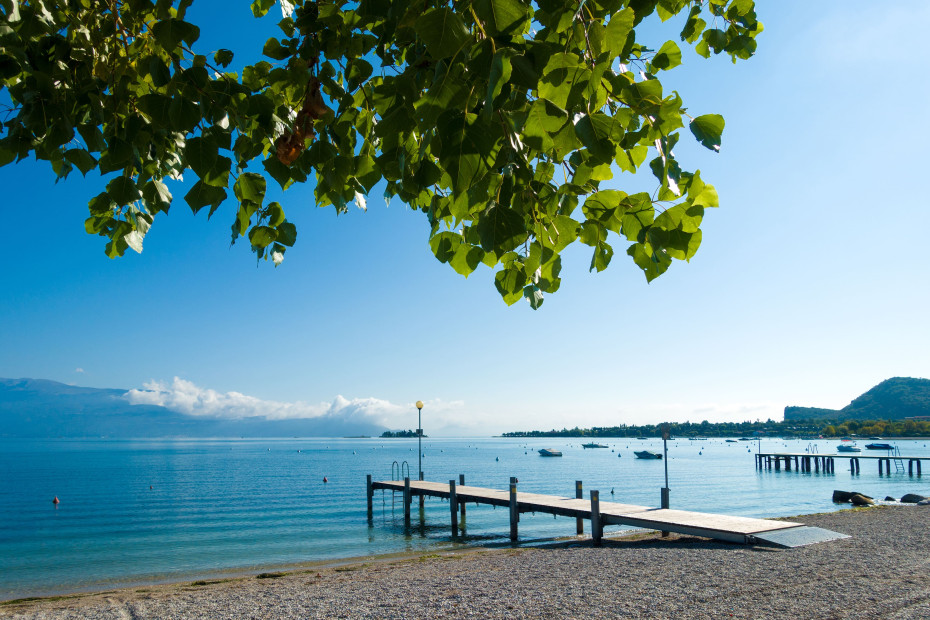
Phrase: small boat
(731, 441)
(646, 454)
(549, 452)
(879, 446)
(848, 447)
(593, 445)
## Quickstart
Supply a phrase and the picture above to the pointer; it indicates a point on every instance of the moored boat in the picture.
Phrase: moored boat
(879, 446)
(549, 452)
(646, 454)
(848, 447)
(593, 445)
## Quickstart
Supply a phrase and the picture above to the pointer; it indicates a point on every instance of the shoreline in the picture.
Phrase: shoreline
(881, 571)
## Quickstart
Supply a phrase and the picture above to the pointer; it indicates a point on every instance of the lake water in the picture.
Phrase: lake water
(135, 512)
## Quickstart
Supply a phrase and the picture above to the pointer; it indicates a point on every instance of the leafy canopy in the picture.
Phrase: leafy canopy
(500, 120)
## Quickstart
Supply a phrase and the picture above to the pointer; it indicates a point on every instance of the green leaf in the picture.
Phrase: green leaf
(467, 258)
(467, 152)
(668, 56)
(262, 236)
(510, 283)
(617, 31)
(444, 245)
(503, 17)
(250, 186)
(223, 57)
(274, 49)
(202, 195)
(500, 75)
(201, 155)
(170, 32)
(260, 7)
(563, 77)
(82, 159)
(184, 114)
(287, 234)
(443, 32)
(123, 190)
(708, 129)
(157, 107)
(500, 230)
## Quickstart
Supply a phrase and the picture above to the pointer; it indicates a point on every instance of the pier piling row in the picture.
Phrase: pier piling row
(803, 462)
(721, 527)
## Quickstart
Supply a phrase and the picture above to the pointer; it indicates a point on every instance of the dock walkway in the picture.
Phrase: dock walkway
(812, 461)
(721, 527)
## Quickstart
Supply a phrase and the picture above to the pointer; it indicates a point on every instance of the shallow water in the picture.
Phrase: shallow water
(146, 511)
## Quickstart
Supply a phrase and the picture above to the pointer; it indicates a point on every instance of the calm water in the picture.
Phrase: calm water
(146, 511)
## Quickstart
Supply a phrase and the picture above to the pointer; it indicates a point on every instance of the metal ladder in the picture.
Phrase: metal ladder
(898, 461)
(812, 448)
(397, 474)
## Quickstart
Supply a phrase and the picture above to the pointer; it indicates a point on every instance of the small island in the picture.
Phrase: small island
(399, 434)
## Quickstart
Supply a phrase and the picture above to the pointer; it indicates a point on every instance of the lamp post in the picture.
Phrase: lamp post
(420, 436)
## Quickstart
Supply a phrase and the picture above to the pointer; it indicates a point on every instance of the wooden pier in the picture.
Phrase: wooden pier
(721, 527)
(807, 461)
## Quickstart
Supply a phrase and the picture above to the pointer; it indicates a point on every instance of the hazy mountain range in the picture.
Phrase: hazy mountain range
(41, 408)
(892, 399)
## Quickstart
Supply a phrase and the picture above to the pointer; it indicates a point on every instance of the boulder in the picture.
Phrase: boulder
(912, 498)
(924, 502)
(888, 498)
(842, 497)
(861, 500)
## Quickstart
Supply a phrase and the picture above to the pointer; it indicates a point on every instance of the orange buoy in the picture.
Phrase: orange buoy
(325, 479)
(55, 501)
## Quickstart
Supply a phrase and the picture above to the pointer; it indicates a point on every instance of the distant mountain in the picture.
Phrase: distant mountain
(40, 408)
(892, 399)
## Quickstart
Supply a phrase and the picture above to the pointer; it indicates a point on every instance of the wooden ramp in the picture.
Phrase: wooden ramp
(721, 527)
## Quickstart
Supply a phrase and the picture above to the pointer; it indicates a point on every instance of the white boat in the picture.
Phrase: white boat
(848, 447)
(646, 454)
(549, 452)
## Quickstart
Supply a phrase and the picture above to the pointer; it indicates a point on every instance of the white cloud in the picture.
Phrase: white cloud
(188, 398)
(81, 370)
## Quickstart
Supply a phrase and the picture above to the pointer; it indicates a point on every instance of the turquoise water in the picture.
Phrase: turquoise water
(135, 512)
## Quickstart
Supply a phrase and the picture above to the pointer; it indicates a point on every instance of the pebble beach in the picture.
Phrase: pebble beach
(881, 571)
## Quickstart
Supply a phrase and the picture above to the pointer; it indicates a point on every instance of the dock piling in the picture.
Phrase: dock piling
(579, 522)
(514, 511)
(462, 483)
(596, 528)
(369, 492)
(407, 498)
(453, 507)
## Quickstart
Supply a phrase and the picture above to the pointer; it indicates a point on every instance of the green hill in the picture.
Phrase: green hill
(892, 399)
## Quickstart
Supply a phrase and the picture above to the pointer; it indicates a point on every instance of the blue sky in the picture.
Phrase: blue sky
(811, 285)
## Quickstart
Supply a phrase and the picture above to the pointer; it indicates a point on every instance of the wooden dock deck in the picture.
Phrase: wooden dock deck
(812, 461)
(716, 526)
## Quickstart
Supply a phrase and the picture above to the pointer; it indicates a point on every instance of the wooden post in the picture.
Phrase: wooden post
(453, 507)
(918, 467)
(910, 467)
(579, 522)
(369, 492)
(514, 513)
(462, 505)
(596, 530)
(816, 463)
(422, 497)
(777, 463)
(407, 499)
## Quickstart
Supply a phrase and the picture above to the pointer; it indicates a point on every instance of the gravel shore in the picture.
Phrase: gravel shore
(882, 571)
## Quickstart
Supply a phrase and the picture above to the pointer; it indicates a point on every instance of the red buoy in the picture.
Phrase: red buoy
(55, 501)
(325, 479)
